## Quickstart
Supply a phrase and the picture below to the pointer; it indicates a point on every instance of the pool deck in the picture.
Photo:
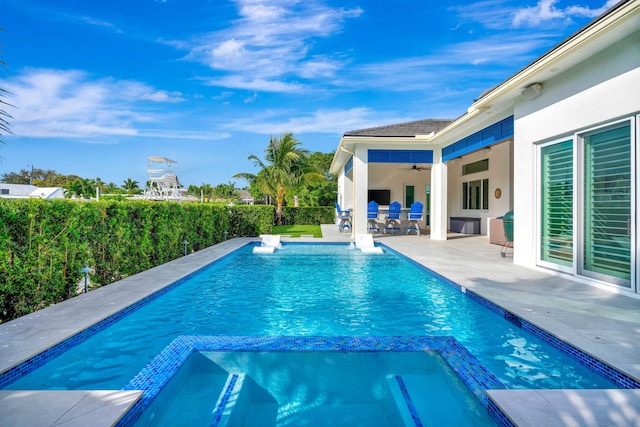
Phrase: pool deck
(599, 322)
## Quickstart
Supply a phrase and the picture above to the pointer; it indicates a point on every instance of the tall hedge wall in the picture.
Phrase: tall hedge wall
(308, 215)
(44, 243)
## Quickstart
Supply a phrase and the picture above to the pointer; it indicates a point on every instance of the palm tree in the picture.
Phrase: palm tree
(130, 186)
(81, 187)
(285, 167)
(5, 127)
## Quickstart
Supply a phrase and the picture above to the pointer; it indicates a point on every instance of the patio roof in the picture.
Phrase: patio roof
(406, 129)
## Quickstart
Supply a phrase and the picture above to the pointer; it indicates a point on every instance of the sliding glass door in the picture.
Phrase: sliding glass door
(587, 198)
(556, 243)
(607, 205)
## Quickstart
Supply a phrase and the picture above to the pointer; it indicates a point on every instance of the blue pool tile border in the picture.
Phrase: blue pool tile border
(14, 373)
(222, 405)
(614, 375)
(498, 416)
(407, 399)
(154, 377)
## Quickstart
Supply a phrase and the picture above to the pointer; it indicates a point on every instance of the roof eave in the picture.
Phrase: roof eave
(511, 88)
(619, 14)
(346, 147)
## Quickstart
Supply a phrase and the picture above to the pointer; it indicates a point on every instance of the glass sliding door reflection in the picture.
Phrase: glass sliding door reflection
(607, 205)
(556, 243)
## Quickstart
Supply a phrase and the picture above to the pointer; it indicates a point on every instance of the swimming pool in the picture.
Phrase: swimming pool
(307, 290)
(315, 388)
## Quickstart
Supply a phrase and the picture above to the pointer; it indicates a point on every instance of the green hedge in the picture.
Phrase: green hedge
(43, 243)
(308, 216)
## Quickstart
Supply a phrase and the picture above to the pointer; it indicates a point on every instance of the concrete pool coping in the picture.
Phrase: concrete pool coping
(599, 322)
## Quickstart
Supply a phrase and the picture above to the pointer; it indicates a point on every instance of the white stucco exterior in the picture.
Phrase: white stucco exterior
(591, 94)
(500, 176)
(590, 81)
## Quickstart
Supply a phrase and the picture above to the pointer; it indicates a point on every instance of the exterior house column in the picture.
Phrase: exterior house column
(360, 188)
(438, 214)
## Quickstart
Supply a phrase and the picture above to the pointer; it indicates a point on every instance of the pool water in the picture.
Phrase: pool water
(316, 389)
(315, 289)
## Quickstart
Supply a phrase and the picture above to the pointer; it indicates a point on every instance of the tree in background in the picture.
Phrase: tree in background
(38, 177)
(226, 192)
(112, 188)
(4, 116)
(321, 193)
(285, 168)
(22, 177)
(83, 188)
(130, 186)
(205, 191)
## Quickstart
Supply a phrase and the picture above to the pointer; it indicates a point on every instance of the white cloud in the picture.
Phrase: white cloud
(469, 64)
(546, 11)
(492, 14)
(99, 23)
(590, 13)
(256, 84)
(271, 44)
(541, 12)
(67, 103)
(497, 49)
(251, 98)
(320, 121)
(502, 14)
(170, 134)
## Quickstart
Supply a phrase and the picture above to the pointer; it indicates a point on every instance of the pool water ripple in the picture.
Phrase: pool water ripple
(323, 290)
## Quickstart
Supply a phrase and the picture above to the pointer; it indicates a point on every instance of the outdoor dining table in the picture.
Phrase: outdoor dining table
(404, 216)
(404, 213)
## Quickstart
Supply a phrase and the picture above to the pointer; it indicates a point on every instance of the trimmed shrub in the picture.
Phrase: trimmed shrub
(308, 215)
(43, 243)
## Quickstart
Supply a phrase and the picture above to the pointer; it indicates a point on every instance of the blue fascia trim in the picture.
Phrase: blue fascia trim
(483, 138)
(400, 156)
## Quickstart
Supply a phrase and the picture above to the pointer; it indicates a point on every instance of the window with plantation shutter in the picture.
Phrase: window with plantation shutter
(607, 204)
(557, 203)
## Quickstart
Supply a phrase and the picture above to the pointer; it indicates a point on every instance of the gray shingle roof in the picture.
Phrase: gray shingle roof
(417, 127)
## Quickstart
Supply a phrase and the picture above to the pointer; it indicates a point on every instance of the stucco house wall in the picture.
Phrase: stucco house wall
(593, 93)
(395, 177)
(500, 176)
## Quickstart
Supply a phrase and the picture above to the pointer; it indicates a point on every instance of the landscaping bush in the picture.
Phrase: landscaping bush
(44, 243)
(308, 215)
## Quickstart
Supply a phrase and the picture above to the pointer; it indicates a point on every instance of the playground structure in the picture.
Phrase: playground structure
(162, 183)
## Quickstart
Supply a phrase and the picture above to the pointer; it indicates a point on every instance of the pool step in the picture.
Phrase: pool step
(433, 400)
(189, 396)
(244, 403)
(399, 405)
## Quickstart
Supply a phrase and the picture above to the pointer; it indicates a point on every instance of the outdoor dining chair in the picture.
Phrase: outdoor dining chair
(392, 221)
(344, 216)
(372, 216)
(415, 215)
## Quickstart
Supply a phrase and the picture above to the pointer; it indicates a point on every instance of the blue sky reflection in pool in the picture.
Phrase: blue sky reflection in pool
(311, 290)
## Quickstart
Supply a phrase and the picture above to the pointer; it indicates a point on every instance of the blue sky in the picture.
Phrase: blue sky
(98, 86)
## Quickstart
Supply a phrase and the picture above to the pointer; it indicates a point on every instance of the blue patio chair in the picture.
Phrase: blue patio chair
(415, 215)
(392, 221)
(372, 216)
(344, 216)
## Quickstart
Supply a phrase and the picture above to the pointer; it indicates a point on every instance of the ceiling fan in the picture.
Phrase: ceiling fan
(416, 168)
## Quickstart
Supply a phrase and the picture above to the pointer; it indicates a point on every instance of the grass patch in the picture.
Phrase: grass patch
(297, 230)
